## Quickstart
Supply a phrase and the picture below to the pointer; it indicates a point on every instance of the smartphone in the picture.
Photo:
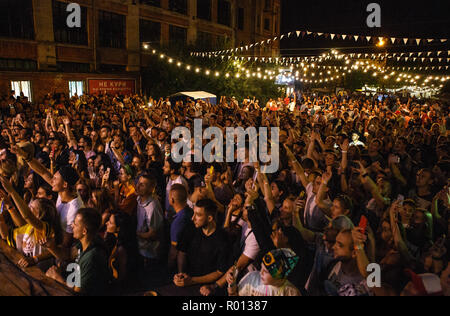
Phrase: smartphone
(363, 224)
(302, 195)
(401, 199)
(211, 170)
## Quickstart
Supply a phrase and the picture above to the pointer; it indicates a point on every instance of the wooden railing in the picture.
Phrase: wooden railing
(31, 281)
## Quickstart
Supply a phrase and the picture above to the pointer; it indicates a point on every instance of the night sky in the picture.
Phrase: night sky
(399, 18)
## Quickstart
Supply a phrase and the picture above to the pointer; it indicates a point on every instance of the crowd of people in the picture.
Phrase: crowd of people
(90, 180)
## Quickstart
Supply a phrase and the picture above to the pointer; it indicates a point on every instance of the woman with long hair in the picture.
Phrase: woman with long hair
(35, 223)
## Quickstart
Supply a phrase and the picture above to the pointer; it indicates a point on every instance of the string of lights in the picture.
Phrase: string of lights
(241, 73)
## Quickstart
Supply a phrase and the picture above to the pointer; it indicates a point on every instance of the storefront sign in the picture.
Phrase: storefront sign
(112, 86)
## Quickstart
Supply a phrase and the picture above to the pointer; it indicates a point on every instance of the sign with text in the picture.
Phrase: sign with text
(112, 86)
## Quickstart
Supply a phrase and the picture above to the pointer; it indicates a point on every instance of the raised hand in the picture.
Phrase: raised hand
(358, 237)
(345, 145)
(66, 120)
(6, 184)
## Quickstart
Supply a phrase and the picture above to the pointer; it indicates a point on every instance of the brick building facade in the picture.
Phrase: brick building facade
(37, 47)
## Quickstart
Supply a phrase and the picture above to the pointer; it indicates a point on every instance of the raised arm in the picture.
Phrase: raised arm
(307, 235)
(367, 181)
(24, 210)
(69, 134)
(323, 189)
(34, 164)
(297, 167)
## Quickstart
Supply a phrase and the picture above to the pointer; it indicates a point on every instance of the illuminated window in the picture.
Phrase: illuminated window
(23, 87)
(76, 87)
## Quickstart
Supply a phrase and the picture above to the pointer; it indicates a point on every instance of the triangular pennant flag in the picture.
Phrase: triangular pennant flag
(332, 36)
(429, 53)
(368, 38)
(405, 40)
(439, 52)
(418, 41)
(431, 59)
(359, 55)
(443, 40)
(393, 40)
(319, 34)
(440, 67)
(308, 32)
(282, 36)
(406, 58)
(423, 59)
(398, 58)
(420, 54)
(356, 38)
(298, 33)
(410, 54)
(440, 59)
(430, 40)
(344, 36)
(414, 59)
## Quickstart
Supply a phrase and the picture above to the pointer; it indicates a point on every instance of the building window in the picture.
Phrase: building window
(150, 31)
(155, 3)
(240, 18)
(204, 9)
(204, 41)
(16, 19)
(18, 64)
(65, 34)
(224, 12)
(267, 24)
(73, 67)
(112, 29)
(112, 68)
(177, 36)
(76, 87)
(22, 87)
(179, 6)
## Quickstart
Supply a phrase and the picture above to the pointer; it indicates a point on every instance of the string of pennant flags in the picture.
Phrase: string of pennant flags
(331, 36)
(397, 56)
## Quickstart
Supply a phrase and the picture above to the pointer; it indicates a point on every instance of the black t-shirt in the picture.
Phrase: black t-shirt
(205, 254)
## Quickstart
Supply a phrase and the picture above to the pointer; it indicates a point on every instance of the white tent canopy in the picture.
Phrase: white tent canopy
(195, 95)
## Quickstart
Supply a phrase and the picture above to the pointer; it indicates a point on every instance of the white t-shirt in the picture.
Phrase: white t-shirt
(251, 285)
(67, 212)
(251, 248)
(149, 216)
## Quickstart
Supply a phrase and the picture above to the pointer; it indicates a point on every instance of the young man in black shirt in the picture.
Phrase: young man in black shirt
(203, 252)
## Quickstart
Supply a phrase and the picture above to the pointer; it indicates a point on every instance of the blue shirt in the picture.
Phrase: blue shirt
(182, 219)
